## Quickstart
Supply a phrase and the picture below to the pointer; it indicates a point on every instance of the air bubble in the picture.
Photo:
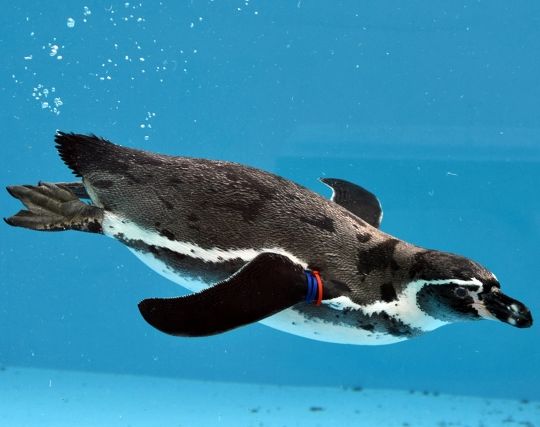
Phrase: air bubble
(70, 23)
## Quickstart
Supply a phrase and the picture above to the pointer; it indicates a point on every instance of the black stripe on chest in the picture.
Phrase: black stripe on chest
(184, 265)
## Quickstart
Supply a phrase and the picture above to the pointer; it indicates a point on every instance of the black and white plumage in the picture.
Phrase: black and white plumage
(242, 238)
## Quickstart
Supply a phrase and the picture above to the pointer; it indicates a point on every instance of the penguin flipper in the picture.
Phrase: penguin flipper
(266, 285)
(356, 200)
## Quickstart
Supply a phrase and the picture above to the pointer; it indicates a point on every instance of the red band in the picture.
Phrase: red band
(319, 287)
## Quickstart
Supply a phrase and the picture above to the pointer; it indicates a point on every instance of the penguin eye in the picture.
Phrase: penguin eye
(460, 292)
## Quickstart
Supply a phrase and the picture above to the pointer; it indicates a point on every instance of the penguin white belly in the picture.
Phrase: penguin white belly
(289, 320)
(294, 322)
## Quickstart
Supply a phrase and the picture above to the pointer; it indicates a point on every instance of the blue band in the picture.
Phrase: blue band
(312, 287)
(313, 295)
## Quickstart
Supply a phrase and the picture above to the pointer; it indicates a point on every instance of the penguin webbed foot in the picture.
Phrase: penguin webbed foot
(266, 285)
(53, 207)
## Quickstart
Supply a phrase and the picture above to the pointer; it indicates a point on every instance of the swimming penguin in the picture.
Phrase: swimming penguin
(253, 246)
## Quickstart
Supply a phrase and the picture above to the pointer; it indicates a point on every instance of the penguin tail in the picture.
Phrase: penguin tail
(53, 207)
(80, 152)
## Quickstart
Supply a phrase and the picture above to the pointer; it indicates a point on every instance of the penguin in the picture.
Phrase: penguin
(252, 246)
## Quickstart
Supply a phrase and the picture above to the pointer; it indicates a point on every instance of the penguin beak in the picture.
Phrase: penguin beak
(507, 310)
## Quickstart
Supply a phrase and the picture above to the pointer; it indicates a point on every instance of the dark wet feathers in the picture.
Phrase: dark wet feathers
(226, 205)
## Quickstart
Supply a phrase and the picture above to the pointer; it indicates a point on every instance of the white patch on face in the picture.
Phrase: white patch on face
(405, 308)
(479, 306)
(113, 225)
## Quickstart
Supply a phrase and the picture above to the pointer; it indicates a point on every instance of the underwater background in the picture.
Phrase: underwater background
(434, 106)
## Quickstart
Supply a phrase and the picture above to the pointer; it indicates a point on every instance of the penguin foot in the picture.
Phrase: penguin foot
(53, 207)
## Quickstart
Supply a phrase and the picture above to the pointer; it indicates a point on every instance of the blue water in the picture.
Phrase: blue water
(434, 106)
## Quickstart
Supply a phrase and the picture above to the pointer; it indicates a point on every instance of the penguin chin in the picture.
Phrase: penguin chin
(508, 310)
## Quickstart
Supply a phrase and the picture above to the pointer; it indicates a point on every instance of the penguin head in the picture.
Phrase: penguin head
(454, 288)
